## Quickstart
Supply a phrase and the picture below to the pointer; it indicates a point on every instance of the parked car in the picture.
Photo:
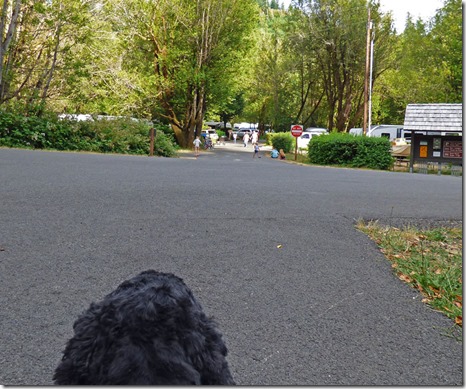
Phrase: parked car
(304, 140)
(243, 131)
(306, 137)
(316, 130)
(212, 134)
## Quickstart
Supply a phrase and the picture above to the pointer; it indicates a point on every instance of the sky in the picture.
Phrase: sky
(424, 9)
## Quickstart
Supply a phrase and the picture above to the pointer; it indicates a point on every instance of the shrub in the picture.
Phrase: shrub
(349, 150)
(118, 136)
(25, 131)
(123, 135)
(163, 145)
(283, 140)
(268, 138)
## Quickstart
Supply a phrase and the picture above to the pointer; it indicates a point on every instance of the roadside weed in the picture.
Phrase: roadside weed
(428, 260)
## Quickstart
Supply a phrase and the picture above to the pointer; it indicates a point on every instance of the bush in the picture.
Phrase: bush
(268, 138)
(117, 136)
(163, 145)
(283, 140)
(22, 131)
(348, 150)
(124, 136)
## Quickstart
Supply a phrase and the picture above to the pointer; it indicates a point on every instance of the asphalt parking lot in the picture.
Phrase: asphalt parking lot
(268, 247)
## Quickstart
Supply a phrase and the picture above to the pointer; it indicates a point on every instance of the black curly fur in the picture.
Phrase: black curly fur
(149, 331)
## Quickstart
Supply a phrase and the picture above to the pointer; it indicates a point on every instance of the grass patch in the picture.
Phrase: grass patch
(428, 260)
(301, 158)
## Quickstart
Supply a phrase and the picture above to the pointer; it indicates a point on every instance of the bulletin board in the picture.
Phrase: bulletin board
(436, 148)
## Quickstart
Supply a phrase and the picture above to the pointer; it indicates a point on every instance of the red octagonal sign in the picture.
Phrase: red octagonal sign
(296, 130)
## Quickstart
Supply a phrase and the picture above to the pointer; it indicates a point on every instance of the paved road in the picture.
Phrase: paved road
(324, 309)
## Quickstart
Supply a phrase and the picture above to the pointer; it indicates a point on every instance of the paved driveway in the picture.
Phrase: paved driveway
(323, 309)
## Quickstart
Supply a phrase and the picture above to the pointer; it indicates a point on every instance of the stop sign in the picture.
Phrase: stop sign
(296, 130)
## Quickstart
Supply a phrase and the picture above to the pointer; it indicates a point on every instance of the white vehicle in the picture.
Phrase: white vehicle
(91, 118)
(211, 133)
(316, 130)
(390, 131)
(308, 134)
(77, 117)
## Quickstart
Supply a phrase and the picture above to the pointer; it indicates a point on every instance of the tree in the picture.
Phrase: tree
(110, 77)
(428, 65)
(305, 83)
(311, 63)
(337, 42)
(8, 30)
(193, 47)
(270, 79)
(447, 39)
(37, 41)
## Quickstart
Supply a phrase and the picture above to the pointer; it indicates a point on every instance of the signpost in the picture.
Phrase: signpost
(151, 142)
(296, 131)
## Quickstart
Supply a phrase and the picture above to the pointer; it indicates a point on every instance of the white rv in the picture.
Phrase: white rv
(390, 131)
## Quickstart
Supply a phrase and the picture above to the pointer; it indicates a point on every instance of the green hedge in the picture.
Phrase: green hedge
(268, 138)
(282, 140)
(116, 136)
(348, 150)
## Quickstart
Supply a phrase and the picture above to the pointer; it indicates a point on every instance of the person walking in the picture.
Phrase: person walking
(196, 143)
(245, 139)
(254, 138)
(235, 135)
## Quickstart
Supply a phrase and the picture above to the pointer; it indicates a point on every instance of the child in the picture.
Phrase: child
(196, 143)
(256, 150)
(274, 153)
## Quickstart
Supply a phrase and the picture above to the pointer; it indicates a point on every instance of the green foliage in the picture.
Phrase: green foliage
(164, 145)
(428, 66)
(247, 60)
(124, 136)
(447, 35)
(349, 150)
(283, 140)
(42, 43)
(268, 138)
(190, 51)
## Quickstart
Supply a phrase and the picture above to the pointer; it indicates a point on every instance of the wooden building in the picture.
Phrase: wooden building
(436, 133)
(446, 118)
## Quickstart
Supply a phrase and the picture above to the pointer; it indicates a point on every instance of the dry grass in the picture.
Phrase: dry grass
(428, 260)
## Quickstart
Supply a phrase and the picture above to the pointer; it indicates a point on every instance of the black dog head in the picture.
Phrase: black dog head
(149, 331)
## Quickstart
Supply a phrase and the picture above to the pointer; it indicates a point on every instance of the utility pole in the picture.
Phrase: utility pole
(370, 77)
(366, 76)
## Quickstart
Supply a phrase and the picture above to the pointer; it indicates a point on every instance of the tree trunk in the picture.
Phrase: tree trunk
(9, 35)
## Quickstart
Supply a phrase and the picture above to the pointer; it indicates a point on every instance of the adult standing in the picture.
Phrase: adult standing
(254, 138)
(245, 139)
